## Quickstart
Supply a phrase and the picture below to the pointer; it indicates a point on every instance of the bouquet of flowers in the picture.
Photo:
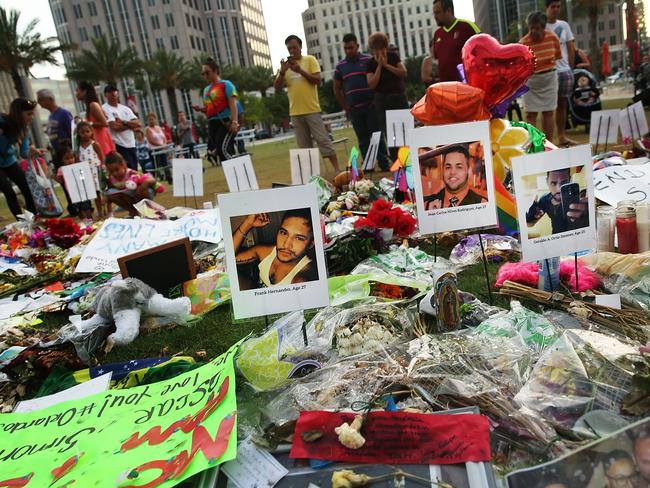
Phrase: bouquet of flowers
(65, 233)
(383, 215)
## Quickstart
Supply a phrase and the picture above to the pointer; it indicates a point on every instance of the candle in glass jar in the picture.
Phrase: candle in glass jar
(643, 226)
(606, 227)
(628, 241)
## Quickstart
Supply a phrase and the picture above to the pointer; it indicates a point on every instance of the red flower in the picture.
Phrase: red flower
(380, 205)
(385, 219)
(405, 225)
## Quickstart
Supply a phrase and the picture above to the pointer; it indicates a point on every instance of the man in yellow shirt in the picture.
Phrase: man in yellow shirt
(301, 74)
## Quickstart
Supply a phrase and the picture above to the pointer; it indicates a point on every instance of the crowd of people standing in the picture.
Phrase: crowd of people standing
(365, 85)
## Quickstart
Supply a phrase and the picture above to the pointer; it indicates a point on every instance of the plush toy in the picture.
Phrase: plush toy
(123, 301)
(136, 180)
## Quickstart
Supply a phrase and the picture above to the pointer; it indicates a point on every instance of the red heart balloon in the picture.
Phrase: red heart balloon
(496, 69)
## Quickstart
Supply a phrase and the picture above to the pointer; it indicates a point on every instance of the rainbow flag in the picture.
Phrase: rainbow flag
(506, 209)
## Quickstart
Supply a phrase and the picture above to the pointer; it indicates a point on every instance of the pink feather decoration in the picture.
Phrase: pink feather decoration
(527, 274)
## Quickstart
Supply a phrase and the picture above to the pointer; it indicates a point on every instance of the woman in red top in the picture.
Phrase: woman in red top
(86, 93)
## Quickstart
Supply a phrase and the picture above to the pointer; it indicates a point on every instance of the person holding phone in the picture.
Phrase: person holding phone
(566, 213)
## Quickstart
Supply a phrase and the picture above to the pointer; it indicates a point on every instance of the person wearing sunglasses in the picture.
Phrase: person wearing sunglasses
(220, 107)
(14, 134)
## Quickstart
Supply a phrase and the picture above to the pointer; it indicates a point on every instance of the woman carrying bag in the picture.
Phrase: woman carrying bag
(40, 185)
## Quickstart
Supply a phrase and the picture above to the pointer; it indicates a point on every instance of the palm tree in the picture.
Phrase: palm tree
(167, 72)
(24, 49)
(106, 62)
(237, 75)
(589, 8)
(259, 78)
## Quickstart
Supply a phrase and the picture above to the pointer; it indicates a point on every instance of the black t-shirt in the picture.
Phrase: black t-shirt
(389, 83)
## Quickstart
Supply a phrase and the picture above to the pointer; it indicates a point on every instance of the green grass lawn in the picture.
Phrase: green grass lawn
(217, 330)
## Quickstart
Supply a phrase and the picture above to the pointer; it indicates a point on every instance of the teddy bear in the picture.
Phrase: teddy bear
(135, 180)
(122, 302)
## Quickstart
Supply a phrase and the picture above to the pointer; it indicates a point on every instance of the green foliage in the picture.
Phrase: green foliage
(249, 79)
(278, 106)
(257, 110)
(106, 62)
(25, 48)
(166, 73)
(328, 102)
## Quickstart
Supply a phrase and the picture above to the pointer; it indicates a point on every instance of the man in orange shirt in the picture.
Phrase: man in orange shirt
(543, 85)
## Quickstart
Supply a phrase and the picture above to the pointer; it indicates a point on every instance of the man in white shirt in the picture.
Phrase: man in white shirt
(121, 124)
(564, 67)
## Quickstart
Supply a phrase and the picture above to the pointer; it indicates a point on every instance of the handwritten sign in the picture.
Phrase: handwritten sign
(119, 237)
(240, 174)
(397, 438)
(80, 182)
(370, 161)
(158, 434)
(188, 177)
(617, 183)
(634, 124)
(399, 123)
(604, 127)
(305, 163)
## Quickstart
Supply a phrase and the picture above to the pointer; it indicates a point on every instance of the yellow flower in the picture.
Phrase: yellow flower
(507, 142)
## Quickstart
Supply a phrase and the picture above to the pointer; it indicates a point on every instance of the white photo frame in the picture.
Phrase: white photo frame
(466, 215)
(370, 161)
(305, 285)
(240, 174)
(399, 124)
(634, 123)
(305, 163)
(188, 177)
(560, 236)
(604, 127)
(79, 180)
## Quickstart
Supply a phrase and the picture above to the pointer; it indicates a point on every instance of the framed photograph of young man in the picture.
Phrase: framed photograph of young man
(454, 183)
(274, 250)
(554, 191)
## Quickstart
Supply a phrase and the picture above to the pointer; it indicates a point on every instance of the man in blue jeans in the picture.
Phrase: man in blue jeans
(355, 96)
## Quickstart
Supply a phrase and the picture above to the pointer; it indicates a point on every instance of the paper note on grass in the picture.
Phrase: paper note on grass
(254, 467)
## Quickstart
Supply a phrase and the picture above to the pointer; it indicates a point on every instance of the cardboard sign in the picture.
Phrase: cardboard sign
(274, 250)
(305, 163)
(80, 182)
(162, 433)
(153, 265)
(240, 174)
(604, 128)
(119, 237)
(634, 123)
(395, 437)
(188, 177)
(399, 124)
(616, 183)
(610, 459)
(460, 199)
(370, 161)
(556, 209)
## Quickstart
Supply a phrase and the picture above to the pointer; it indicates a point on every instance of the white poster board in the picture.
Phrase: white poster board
(616, 183)
(370, 161)
(451, 201)
(240, 174)
(274, 234)
(569, 224)
(604, 127)
(305, 163)
(634, 123)
(119, 237)
(80, 182)
(399, 123)
(188, 177)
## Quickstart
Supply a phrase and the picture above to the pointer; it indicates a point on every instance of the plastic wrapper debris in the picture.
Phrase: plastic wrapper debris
(387, 186)
(346, 288)
(572, 378)
(324, 189)
(86, 342)
(473, 311)
(498, 249)
(625, 274)
(534, 329)
(405, 262)
(340, 228)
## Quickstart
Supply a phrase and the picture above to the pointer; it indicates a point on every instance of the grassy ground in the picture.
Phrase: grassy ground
(217, 330)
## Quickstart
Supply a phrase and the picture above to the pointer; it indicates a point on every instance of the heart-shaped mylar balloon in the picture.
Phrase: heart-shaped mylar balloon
(499, 70)
(450, 102)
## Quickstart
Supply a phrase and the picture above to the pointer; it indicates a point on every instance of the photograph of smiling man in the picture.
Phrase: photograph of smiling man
(274, 250)
(287, 258)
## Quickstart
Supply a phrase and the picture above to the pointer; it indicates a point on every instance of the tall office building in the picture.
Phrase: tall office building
(231, 31)
(408, 23)
(503, 19)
